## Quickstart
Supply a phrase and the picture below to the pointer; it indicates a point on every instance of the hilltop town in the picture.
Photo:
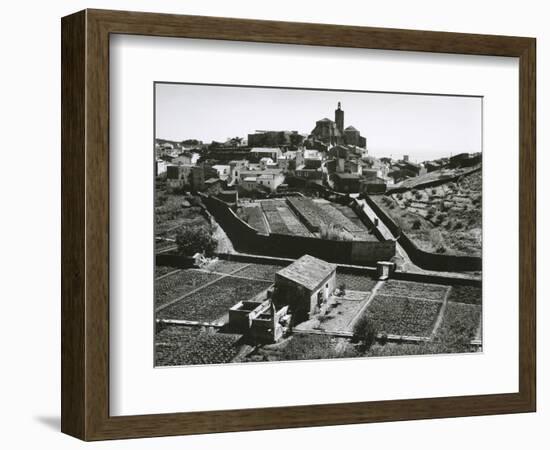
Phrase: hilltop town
(287, 245)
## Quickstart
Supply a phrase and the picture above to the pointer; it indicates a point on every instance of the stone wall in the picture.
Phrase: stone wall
(248, 240)
(423, 259)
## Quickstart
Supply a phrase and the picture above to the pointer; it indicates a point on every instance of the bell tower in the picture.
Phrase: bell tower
(339, 118)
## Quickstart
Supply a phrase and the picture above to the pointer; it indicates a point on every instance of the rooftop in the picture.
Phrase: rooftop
(347, 176)
(265, 149)
(308, 271)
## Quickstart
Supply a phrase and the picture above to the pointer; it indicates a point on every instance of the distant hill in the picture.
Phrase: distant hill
(442, 218)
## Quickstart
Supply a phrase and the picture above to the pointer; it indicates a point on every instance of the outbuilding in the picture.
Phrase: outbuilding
(304, 286)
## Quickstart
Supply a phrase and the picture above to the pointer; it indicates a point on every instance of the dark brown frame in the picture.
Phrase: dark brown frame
(85, 224)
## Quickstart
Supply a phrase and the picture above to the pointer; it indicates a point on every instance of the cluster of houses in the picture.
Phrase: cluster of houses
(272, 160)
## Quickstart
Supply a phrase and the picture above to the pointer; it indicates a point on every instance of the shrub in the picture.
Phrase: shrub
(195, 239)
(430, 213)
(365, 332)
(332, 232)
(416, 224)
(342, 288)
(309, 347)
(458, 225)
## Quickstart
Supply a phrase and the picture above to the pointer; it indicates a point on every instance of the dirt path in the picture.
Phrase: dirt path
(365, 305)
(406, 264)
(224, 243)
(439, 319)
(168, 274)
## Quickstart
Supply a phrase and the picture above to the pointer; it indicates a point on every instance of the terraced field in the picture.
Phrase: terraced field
(363, 233)
(422, 291)
(163, 270)
(254, 216)
(441, 219)
(293, 224)
(461, 320)
(308, 211)
(345, 217)
(403, 316)
(466, 294)
(302, 216)
(224, 266)
(211, 303)
(260, 271)
(180, 283)
(179, 346)
(281, 220)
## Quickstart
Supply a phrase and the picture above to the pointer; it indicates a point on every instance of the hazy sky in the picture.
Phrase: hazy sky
(423, 126)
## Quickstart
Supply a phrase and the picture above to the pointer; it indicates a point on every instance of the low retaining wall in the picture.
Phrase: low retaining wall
(436, 279)
(423, 259)
(358, 208)
(174, 260)
(247, 239)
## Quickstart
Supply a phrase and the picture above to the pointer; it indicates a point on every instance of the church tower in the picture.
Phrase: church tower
(339, 118)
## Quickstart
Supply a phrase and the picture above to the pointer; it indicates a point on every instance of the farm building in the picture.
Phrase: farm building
(259, 319)
(304, 286)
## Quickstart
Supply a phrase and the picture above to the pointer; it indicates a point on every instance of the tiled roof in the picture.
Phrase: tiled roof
(308, 271)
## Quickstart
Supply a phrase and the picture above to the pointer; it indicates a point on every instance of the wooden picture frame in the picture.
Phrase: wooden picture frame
(85, 224)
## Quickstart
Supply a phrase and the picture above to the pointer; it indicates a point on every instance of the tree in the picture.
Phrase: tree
(193, 239)
(365, 332)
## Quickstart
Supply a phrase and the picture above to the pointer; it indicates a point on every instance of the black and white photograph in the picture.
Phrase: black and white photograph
(304, 224)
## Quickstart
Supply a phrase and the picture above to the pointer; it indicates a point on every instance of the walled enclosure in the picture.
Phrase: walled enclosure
(248, 240)
(426, 260)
